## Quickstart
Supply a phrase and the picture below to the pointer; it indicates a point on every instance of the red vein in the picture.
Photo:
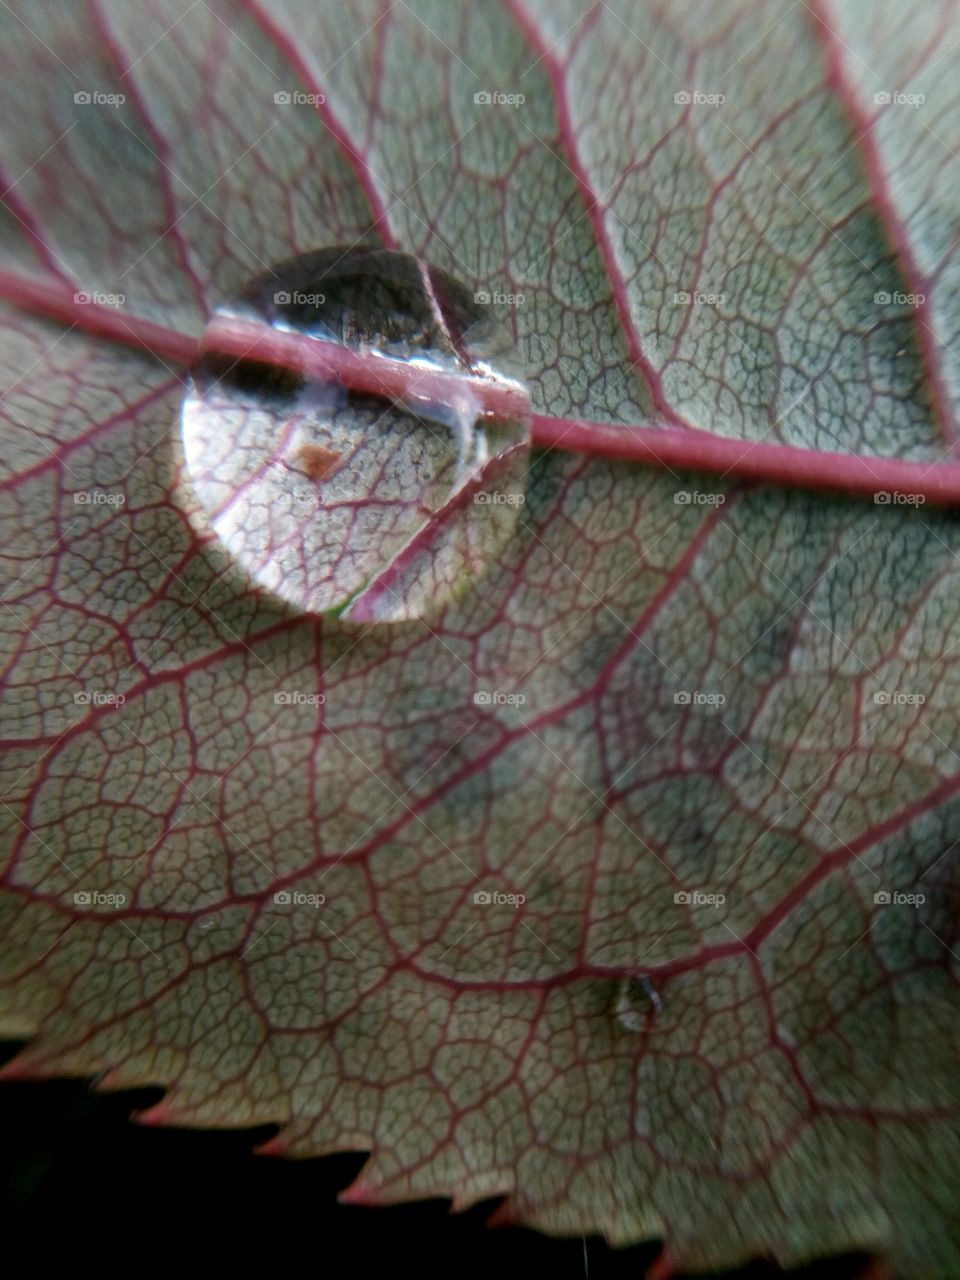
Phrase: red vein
(381, 376)
(769, 463)
(56, 301)
(291, 51)
(862, 124)
(596, 212)
(646, 442)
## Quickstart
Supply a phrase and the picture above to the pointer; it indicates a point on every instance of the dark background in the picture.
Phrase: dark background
(75, 1171)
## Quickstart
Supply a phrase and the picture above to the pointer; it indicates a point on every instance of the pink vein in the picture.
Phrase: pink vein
(668, 446)
(292, 51)
(381, 376)
(862, 125)
(172, 228)
(595, 211)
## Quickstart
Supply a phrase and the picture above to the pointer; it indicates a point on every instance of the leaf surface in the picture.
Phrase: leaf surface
(749, 695)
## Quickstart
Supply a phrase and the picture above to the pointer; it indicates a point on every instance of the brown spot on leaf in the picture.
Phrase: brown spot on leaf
(318, 463)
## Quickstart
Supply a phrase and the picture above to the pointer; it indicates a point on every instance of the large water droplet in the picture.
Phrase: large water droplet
(357, 430)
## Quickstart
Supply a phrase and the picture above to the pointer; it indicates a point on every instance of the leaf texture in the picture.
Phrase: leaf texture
(750, 695)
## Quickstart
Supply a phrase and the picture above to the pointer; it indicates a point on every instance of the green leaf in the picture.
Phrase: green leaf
(706, 731)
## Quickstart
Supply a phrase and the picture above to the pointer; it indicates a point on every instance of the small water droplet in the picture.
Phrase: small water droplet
(357, 430)
(637, 999)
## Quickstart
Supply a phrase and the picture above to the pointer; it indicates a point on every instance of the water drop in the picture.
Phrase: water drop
(357, 431)
(636, 1000)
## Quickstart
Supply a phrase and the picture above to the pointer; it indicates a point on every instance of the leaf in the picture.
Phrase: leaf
(795, 1092)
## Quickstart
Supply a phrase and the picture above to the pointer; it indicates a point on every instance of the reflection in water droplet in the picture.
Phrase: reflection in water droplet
(357, 431)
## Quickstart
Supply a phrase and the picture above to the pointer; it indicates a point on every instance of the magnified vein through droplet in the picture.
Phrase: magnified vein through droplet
(357, 431)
